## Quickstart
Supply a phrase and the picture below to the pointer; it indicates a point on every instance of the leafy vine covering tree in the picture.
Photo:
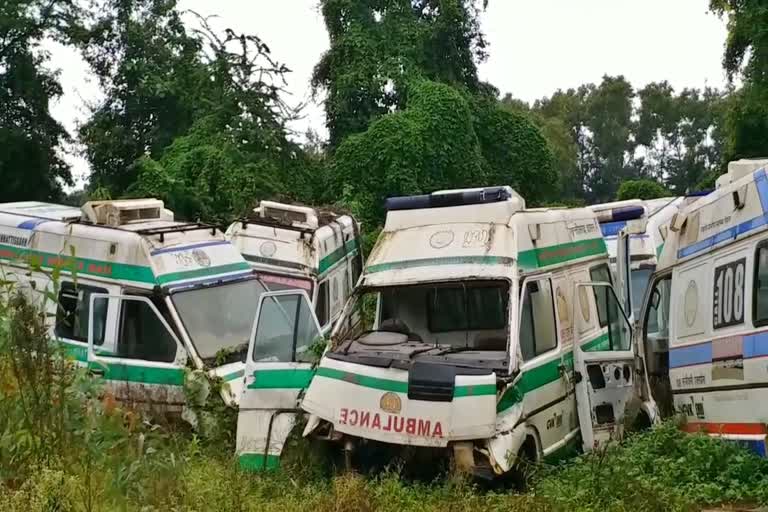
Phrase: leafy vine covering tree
(407, 113)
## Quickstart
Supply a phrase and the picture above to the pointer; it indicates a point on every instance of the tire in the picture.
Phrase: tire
(525, 462)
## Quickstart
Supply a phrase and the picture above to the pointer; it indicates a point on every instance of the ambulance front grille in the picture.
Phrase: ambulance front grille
(431, 382)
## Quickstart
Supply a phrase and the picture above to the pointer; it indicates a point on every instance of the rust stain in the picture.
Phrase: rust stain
(491, 233)
(384, 237)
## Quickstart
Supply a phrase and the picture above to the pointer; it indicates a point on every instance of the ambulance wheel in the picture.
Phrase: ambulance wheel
(525, 461)
(642, 422)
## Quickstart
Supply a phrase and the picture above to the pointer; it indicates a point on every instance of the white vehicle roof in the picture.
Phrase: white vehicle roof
(657, 213)
(477, 233)
(736, 209)
(134, 242)
(296, 239)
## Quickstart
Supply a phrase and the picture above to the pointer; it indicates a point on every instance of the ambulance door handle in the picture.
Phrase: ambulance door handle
(96, 372)
(577, 377)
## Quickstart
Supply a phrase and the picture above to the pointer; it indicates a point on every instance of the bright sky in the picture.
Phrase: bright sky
(535, 47)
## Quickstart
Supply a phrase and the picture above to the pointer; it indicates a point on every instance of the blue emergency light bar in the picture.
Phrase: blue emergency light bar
(621, 214)
(447, 199)
(700, 193)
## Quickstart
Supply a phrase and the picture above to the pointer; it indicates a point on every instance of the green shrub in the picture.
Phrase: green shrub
(641, 189)
(664, 469)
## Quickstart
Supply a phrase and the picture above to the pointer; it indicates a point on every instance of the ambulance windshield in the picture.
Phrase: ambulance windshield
(219, 319)
(434, 319)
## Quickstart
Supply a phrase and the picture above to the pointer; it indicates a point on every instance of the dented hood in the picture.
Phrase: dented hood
(425, 405)
(441, 251)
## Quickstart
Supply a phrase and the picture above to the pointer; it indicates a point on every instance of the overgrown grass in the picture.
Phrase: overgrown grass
(63, 447)
(664, 469)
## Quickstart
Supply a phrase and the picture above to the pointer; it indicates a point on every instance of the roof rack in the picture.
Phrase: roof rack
(266, 221)
(178, 228)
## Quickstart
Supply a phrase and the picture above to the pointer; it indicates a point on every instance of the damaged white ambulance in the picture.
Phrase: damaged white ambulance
(298, 247)
(644, 246)
(141, 299)
(496, 334)
(705, 316)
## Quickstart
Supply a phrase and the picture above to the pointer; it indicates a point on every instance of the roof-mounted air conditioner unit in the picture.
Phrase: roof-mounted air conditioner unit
(127, 211)
(287, 214)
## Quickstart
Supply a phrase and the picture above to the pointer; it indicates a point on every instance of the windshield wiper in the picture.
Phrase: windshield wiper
(455, 350)
(417, 352)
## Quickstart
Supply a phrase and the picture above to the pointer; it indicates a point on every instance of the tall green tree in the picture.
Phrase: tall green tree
(567, 110)
(31, 166)
(679, 133)
(429, 145)
(236, 150)
(746, 57)
(609, 120)
(599, 121)
(603, 135)
(557, 134)
(153, 80)
(378, 46)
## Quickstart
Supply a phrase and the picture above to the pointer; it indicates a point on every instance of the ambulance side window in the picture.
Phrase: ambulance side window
(142, 334)
(537, 325)
(321, 308)
(656, 325)
(73, 311)
(761, 286)
(601, 274)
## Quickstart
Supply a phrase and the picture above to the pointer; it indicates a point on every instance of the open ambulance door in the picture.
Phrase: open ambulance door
(278, 368)
(623, 273)
(623, 265)
(604, 367)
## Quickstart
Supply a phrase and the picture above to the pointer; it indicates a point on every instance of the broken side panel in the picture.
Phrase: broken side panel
(604, 371)
(279, 367)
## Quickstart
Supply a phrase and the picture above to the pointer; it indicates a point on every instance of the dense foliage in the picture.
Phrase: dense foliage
(377, 47)
(194, 113)
(442, 139)
(236, 149)
(407, 113)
